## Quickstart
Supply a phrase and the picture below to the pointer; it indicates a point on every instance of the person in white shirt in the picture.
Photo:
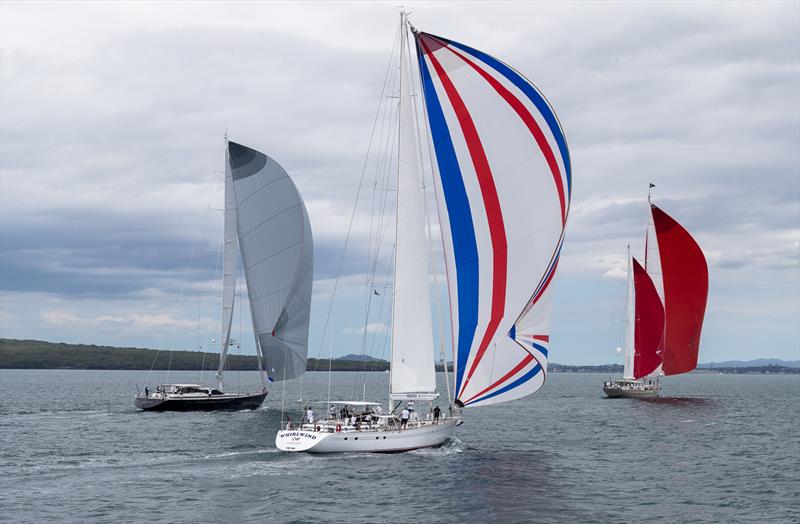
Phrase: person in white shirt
(310, 415)
(410, 405)
(404, 418)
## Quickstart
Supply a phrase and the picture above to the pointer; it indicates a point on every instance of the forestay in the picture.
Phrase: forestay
(503, 192)
(277, 253)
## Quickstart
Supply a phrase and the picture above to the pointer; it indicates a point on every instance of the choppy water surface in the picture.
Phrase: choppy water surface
(714, 448)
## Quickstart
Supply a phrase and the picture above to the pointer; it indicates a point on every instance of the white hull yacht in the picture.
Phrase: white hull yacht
(500, 176)
(366, 433)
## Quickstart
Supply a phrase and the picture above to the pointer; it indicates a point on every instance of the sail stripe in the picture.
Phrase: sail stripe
(465, 249)
(529, 122)
(533, 95)
(528, 357)
(547, 279)
(527, 376)
(491, 203)
(540, 348)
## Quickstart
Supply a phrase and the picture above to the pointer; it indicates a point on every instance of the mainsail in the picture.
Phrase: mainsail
(684, 274)
(412, 365)
(277, 253)
(503, 184)
(228, 271)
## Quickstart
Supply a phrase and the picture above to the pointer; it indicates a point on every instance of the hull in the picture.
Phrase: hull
(631, 390)
(199, 403)
(619, 393)
(371, 441)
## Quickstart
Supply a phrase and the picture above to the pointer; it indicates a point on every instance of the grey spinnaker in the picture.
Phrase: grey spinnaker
(277, 254)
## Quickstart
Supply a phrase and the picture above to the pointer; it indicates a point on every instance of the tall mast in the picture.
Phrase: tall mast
(228, 267)
(630, 324)
(412, 366)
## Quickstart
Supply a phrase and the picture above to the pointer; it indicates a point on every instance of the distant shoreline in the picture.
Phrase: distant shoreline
(38, 354)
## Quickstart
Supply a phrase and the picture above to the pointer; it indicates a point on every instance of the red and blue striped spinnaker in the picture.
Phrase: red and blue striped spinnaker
(503, 183)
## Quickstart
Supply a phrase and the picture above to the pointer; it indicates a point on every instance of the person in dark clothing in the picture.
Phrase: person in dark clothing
(436, 413)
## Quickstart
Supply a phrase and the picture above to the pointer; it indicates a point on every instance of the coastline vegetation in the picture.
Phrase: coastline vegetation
(38, 354)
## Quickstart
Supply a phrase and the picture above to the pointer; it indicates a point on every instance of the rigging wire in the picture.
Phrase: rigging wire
(212, 184)
(352, 217)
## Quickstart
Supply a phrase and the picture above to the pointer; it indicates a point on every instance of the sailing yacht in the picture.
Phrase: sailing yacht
(502, 182)
(266, 216)
(666, 303)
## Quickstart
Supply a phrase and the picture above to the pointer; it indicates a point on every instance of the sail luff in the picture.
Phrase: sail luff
(412, 360)
(229, 253)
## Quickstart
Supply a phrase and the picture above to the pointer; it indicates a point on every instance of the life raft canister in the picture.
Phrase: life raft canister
(338, 428)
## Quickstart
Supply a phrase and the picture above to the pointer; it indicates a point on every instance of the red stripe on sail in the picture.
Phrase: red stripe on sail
(491, 202)
(685, 274)
(502, 379)
(649, 327)
(529, 121)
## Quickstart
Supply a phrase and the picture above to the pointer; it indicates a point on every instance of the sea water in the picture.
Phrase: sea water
(713, 448)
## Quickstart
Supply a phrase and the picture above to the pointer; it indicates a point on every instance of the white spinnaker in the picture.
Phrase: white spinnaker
(412, 362)
(480, 122)
(229, 256)
(277, 253)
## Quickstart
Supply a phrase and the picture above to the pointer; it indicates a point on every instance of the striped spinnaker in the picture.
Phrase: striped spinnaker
(503, 187)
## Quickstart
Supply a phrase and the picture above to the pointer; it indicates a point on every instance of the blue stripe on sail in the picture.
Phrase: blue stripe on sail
(462, 230)
(521, 380)
(534, 96)
(547, 273)
(540, 348)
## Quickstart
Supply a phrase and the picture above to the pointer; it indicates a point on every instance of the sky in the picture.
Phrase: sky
(112, 123)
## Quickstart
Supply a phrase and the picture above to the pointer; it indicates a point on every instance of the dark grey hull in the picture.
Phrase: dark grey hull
(211, 403)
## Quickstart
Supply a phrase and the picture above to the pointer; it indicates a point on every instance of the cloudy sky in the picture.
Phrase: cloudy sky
(112, 118)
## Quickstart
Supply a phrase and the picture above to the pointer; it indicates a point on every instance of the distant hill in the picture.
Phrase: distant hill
(759, 362)
(38, 354)
(352, 357)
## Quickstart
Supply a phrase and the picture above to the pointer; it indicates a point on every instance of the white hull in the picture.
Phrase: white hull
(425, 435)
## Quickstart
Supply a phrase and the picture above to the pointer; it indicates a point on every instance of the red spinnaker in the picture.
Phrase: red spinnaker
(649, 328)
(685, 274)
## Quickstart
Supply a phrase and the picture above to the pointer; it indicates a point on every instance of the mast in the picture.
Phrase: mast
(630, 325)
(412, 361)
(228, 267)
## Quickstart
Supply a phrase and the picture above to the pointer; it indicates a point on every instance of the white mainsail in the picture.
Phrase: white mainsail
(630, 325)
(276, 244)
(228, 271)
(412, 362)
